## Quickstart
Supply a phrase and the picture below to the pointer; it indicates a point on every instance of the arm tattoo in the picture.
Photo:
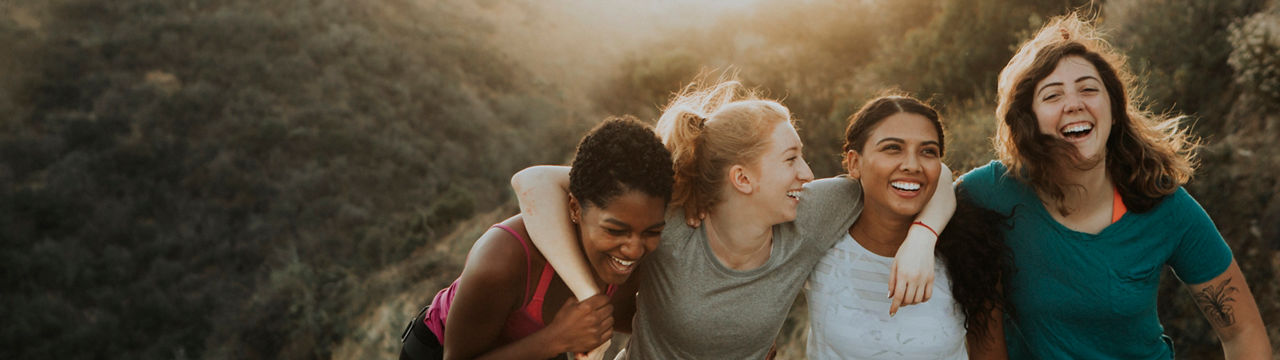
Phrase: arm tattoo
(1216, 301)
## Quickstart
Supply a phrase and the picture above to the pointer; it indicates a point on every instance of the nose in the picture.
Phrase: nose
(633, 248)
(1074, 103)
(911, 164)
(805, 175)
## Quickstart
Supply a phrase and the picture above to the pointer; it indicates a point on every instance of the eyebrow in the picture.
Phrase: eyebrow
(894, 139)
(625, 225)
(1082, 78)
(617, 222)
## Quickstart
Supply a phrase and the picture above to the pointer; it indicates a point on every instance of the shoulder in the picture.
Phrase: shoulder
(676, 226)
(985, 176)
(990, 186)
(1178, 205)
(498, 258)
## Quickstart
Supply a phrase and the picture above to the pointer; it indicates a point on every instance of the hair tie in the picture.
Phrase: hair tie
(1066, 34)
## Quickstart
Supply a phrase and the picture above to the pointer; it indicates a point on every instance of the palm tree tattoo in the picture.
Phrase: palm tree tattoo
(1215, 303)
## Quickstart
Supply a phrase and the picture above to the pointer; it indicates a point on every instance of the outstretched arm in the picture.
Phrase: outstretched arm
(1229, 305)
(911, 277)
(543, 193)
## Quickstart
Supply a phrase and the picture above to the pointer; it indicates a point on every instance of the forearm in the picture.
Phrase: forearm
(1250, 343)
(942, 205)
(543, 193)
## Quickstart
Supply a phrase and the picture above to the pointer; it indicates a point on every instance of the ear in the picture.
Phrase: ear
(741, 179)
(575, 210)
(851, 160)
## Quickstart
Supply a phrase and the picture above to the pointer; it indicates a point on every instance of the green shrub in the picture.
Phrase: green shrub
(1255, 56)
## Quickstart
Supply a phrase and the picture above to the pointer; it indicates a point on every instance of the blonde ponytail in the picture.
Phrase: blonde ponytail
(708, 128)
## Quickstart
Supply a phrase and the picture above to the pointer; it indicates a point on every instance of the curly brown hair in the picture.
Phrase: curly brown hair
(1148, 156)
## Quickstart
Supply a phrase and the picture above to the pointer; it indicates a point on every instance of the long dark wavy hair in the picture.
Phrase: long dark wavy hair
(972, 245)
(974, 253)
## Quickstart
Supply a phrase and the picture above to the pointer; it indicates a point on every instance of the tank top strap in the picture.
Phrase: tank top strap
(1117, 206)
(534, 309)
(528, 259)
(610, 290)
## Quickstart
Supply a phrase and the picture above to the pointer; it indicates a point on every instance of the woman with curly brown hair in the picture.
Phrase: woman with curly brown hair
(1094, 186)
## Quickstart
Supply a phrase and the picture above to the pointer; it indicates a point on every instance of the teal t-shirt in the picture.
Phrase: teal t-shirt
(1093, 296)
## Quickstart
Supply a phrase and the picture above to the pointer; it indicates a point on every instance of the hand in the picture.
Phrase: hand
(597, 354)
(583, 326)
(911, 276)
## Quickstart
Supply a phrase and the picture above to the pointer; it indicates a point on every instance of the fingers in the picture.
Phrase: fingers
(893, 278)
(919, 295)
(928, 291)
(596, 302)
(898, 296)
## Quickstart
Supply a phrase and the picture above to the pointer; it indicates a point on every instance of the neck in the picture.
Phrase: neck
(736, 237)
(880, 232)
(1092, 186)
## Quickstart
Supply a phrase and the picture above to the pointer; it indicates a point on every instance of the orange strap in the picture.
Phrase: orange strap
(1117, 207)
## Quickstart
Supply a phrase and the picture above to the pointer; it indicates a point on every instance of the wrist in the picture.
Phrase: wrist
(921, 234)
(926, 227)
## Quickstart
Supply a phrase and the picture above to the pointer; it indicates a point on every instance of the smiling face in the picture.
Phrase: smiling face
(616, 236)
(1072, 104)
(899, 164)
(782, 173)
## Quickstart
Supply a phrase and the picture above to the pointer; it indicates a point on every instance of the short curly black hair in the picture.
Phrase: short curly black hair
(618, 155)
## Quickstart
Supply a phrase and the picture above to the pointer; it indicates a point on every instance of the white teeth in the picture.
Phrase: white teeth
(623, 262)
(903, 185)
(1077, 128)
(794, 194)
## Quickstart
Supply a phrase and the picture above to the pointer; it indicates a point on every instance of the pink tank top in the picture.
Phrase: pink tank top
(520, 323)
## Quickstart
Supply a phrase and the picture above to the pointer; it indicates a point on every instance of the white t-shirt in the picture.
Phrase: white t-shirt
(849, 312)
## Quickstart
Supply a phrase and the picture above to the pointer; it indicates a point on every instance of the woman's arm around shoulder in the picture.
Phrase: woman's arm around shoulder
(543, 194)
(911, 277)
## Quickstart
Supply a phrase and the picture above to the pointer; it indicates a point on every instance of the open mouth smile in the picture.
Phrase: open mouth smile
(622, 266)
(1075, 131)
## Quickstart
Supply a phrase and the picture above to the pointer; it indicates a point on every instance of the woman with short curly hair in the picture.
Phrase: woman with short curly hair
(509, 303)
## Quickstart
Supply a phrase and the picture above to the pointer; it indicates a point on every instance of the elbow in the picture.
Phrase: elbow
(521, 179)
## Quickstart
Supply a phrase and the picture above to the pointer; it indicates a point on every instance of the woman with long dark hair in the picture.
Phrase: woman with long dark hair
(1094, 185)
(893, 150)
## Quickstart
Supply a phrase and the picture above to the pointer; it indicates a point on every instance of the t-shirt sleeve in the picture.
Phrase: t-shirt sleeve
(828, 207)
(1202, 254)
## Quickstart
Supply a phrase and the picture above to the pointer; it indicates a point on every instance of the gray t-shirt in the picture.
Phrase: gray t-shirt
(691, 306)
